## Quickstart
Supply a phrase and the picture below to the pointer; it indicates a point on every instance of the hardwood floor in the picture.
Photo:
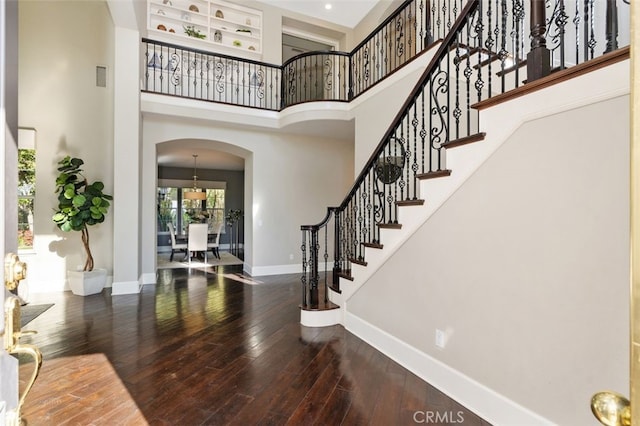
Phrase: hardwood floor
(215, 348)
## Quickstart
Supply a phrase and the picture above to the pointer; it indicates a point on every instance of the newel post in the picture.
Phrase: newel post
(539, 58)
(313, 264)
(337, 266)
(612, 26)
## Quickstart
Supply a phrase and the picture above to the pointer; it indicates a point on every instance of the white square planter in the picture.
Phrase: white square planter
(86, 283)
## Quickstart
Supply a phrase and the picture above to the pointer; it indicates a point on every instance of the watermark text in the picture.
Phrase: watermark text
(430, 416)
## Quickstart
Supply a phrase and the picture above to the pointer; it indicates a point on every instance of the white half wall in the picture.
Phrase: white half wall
(525, 269)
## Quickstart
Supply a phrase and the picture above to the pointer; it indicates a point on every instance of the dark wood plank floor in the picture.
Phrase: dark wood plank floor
(215, 348)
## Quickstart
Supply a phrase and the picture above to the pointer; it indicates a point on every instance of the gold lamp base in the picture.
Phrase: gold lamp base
(611, 409)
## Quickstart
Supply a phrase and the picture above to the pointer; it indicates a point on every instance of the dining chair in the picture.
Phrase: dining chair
(175, 246)
(215, 246)
(197, 239)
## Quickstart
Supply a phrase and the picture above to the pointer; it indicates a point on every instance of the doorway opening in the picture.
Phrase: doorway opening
(293, 45)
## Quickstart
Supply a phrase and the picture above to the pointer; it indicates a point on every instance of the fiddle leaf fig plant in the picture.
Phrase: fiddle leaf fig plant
(80, 204)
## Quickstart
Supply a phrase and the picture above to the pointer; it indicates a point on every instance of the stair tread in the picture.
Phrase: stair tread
(513, 67)
(389, 225)
(346, 276)
(417, 202)
(358, 262)
(465, 140)
(434, 174)
(373, 245)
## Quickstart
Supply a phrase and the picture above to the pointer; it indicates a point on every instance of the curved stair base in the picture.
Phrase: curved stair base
(321, 317)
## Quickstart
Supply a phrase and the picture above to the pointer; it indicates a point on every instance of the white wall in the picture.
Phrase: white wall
(381, 11)
(539, 311)
(289, 181)
(375, 110)
(61, 43)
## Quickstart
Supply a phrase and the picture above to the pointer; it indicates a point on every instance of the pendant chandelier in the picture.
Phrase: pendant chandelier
(195, 193)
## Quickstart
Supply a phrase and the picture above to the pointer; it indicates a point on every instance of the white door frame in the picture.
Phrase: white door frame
(8, 364)
(310, 36)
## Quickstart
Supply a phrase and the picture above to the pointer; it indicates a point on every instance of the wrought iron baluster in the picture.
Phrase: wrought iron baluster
(176, 70)
(414, 164)
(147, 65)
(313, 255)
(362, 218)
(242, 83)
(357, 224)
(208, 78)
(404, 177)
(303, 279)
(519, 39)
(202, 58)
(489, 43)
(476, 40)
(592, 36)
(393, 198)
(446, 15)
(560, 19)
(503, 54)
(379, 49)
(423, 134)
(326, 262)
(457, 112)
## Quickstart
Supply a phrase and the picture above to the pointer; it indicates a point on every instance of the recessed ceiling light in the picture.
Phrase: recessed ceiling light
(328, 6)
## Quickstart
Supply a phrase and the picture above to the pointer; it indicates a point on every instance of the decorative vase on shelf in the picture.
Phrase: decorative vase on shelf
(217, 36)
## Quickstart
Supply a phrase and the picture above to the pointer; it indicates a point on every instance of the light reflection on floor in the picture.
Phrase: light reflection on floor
(242, 278)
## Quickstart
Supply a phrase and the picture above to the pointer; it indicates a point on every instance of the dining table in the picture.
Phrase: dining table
(183, 237)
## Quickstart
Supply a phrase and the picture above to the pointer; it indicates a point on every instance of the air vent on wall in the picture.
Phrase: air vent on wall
(101, 76)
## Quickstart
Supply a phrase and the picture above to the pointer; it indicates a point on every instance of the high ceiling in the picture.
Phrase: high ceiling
(347, 13)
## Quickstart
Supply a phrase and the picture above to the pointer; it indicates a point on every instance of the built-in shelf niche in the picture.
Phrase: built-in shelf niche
(205, 24)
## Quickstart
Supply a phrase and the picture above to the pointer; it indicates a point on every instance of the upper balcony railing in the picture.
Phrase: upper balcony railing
(189, 73)
(565, 33)
(315, 76)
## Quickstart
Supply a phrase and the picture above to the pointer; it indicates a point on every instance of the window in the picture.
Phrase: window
(26, 196)
(173, 208)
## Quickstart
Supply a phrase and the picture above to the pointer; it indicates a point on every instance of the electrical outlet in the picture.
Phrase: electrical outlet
(290, 257)
(440, 338)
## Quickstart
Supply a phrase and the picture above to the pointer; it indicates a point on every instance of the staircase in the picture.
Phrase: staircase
(521, 301)
(442, 134)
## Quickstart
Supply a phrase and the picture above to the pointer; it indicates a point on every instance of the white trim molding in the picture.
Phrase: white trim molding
(483, 401)
(125, 287)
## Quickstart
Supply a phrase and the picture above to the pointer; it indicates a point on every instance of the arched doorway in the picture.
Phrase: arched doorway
(220, 171)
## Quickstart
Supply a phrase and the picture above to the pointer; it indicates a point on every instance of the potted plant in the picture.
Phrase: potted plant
(81, 204)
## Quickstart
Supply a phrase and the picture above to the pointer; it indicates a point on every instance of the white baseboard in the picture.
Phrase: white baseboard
(148, 278)
(257, 271)
(486, 403)
(125, 287)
